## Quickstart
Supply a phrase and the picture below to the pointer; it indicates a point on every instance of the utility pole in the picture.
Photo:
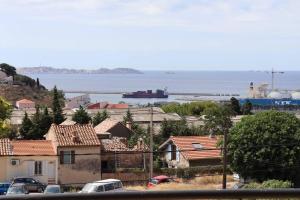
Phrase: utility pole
(225, 160)
(151, 143)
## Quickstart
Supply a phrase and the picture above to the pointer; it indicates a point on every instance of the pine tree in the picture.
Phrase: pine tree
(235, 106)
(81, 116)
(26, 126)
(128, 117)
(38, 83)
(100, 117)
(45, 121)
(58, 116)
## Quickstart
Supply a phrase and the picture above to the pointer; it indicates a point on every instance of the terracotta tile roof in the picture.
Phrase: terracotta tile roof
(33, 147)
(24, 101)
(185, 143)
(105, 126)
(114, 144)
(5, 147)
(75, 135)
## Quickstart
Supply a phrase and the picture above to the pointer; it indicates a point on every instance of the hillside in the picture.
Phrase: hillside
(52, 70)
(14, 86)
(13, 93)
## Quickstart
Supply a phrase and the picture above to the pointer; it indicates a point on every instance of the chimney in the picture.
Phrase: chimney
(129, 125)
(75, 137)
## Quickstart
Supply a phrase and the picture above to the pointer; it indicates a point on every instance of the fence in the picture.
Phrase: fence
(168, 195)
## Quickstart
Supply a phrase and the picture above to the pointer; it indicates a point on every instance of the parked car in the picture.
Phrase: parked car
(31, 184)
(4, 187)
(158, 180)
(53, 189)
(103, 186)
(17, 189)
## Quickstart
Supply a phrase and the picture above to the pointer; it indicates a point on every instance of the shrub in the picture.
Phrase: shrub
(270, 184)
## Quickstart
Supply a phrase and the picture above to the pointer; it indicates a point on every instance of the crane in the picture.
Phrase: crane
(273, 72)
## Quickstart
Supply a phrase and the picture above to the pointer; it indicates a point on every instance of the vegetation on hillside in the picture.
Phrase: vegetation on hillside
(5, 112)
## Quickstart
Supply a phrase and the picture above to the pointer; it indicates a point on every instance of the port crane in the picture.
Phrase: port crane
(273, 72)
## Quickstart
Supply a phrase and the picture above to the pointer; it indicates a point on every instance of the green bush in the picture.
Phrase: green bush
(270, 184)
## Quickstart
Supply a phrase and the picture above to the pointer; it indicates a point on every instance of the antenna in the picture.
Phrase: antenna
(273, 72)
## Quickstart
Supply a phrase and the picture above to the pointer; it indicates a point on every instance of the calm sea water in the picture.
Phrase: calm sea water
(180, 81)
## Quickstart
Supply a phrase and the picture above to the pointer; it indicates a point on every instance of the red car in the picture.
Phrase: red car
(158, 180)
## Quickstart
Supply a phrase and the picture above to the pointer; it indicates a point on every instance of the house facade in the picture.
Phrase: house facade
(25, 104)
(28, 158)
(190, 151)
(110, 128)
(78, 149)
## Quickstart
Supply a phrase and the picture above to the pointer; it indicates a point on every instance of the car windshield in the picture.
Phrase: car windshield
(154, 181)
(88, 188)
(52, 190)
(15, 190)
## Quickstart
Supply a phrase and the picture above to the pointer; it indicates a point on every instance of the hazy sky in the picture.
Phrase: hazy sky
(151, 34)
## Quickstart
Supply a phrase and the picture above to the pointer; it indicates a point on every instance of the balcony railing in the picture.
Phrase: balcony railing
(167, 195)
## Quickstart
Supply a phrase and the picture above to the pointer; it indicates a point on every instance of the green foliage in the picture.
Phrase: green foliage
(8, 69)
(26, 126)
(58, 116)
(128, 117)
(194, 108)
(218, 119)
(138, 133)
(100, 117)
(266, 146)
(247, 108)
(5, 112)
(25, 79)
(270, 184)
(45, 121)
(81, 116)
(235, 106)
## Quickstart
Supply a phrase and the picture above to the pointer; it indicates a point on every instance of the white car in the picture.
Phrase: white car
(103, 186)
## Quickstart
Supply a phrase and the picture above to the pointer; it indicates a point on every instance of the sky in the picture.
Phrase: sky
(151, 34)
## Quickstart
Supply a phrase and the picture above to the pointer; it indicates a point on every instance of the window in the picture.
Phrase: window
(197, 146)
(67, 157)
(100, 189)
(38, 168)
(109, 186)
(173, 152)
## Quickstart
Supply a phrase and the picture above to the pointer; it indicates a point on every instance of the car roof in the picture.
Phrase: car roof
(18, 184)
(160, 177)
(108, 181)
(53, 185)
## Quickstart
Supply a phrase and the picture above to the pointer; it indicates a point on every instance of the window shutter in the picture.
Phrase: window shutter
(30, 168)
(44, 168)
(72, 157)
(61, 157)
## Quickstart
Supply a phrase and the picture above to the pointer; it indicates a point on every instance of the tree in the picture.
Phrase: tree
(247, 108)
(218, 120)
(128, 117)
(38, 83)
(25, 128)
(9, 70)
(81, 116)
(235, 106)
(58, 116)
(100, 117)
(5, 112)
(45, 121)
(266, 146)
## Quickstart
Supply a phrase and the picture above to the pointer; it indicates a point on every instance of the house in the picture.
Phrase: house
(106, 105)
(190, 151)
(29, 158)
(78, 101)
(25, 104)
(78, 149)
(117, 155)
(112, 128)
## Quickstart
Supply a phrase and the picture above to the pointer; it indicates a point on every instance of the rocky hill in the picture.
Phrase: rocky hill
(52, 70)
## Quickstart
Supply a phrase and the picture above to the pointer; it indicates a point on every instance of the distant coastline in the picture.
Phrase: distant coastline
(52, 70)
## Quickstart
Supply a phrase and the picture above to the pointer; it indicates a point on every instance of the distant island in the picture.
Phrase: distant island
(52, 70)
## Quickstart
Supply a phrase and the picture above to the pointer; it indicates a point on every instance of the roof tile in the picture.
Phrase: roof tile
(33, 147)
(5, 147)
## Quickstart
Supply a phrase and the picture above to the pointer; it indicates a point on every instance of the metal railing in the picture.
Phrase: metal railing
(167, 195)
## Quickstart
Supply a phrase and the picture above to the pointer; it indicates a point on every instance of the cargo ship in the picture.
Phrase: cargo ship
(147, 94)
(261, 97)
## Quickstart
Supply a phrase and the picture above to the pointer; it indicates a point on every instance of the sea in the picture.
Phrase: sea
(220, 82)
